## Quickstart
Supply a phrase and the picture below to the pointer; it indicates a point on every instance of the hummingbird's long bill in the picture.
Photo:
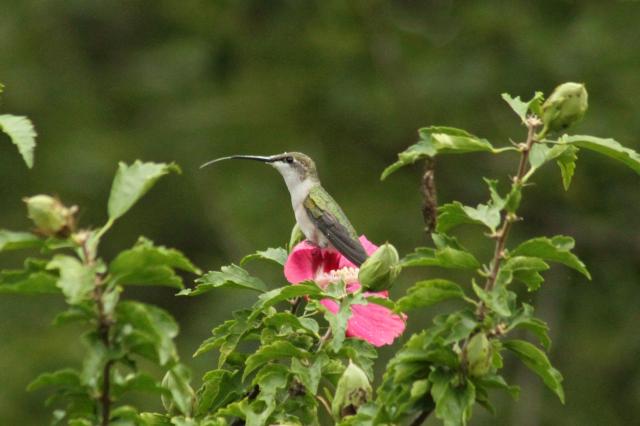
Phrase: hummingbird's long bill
(240, 157)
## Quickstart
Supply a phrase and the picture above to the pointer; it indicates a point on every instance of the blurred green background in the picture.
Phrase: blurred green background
(347, 82)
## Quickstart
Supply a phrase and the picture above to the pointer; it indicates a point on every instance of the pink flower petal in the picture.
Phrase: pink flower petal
(375, 324)
(369, 247)
(306, 260)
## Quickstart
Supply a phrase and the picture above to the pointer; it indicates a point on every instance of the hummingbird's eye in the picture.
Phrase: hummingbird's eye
(288, 159)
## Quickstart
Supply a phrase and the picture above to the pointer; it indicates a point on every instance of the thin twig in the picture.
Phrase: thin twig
(429, 197)
(503, 233)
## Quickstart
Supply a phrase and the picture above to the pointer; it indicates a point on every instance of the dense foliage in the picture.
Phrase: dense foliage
(304, 351)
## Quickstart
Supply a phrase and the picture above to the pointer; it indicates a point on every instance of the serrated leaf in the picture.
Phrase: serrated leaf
(455, 214)
(33, 279)
(65, 378)
(429, 292)
(567, 164)
(338, 322)
(231, 276)
(280, 294)
(537, 361)
(276, 350)
(147, 264)
(219, 387)
(76, 281)
(269, 380)
(523, 108)
(21, 132)
(524, 319)
(446, 257)
(277, 255)
(135, 381)
(453, 402)
(177, 382)
(12, 240)
(606, 146)
(556, 249)
(439, 140)
(496, 381)
(147, 330)
(497, 299)
(309, 374)
(132, 182)
(526, 269)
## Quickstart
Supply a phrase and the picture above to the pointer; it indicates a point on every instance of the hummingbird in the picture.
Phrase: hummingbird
(318, 215)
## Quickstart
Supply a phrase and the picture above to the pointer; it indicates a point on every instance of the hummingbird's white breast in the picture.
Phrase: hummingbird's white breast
(299, 191)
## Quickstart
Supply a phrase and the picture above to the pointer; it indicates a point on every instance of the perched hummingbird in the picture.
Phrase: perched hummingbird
(320, 218)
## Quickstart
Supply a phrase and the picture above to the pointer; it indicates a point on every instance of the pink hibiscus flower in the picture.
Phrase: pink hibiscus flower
(371, 322)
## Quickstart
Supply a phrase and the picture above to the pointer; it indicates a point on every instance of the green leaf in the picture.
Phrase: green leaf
(496, 381)
(338, 323)
(269, 380)
(556, 249)
(21, 132)
(439, 140)
(66, 378)
(182, 395)
(453, 402)
(526, 269)
(270, 298)
(135, 381)
(309, 374)
(522, 108)
(76, 281)
(608, 147)
(454, 214)
(231, 276)
(219, 387)
(33, 279)
(12, 240)
(228, 335)
(132, 182)
(446, 257)
(524, 319)
(276, 350)
(147, 330)
(567, 164)
(277, 255)
(497, 299)
(146, 264)
(429, 292)
(537, 361)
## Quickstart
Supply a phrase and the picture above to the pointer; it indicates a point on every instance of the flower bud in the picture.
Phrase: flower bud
(49, 215)
(353, 391)
(567, 105)
(478, 354)
(381, 269)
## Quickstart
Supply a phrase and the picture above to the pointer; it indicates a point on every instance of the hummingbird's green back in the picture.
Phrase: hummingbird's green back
(319, 201)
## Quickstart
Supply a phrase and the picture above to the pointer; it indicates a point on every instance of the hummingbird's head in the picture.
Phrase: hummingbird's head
(294, 165)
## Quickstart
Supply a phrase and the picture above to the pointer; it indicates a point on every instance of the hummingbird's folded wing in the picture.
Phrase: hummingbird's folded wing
(344, 240)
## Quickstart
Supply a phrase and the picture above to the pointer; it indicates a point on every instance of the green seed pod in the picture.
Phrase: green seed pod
(566, 106)
(381, 269)
(353, 391)
(49, 215)
(479, 355)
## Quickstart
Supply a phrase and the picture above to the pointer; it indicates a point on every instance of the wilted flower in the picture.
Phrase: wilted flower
(352, 391)
(49, 215)
(373, 323)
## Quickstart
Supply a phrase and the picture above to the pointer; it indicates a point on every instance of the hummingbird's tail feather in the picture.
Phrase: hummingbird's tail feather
(240, 157)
